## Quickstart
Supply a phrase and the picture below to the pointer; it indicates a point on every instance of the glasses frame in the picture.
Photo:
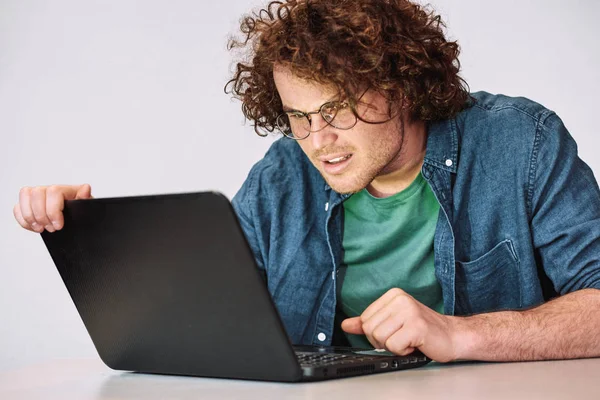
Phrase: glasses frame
(308, 117)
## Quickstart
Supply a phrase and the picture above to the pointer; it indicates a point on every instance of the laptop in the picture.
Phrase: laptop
(167, 284)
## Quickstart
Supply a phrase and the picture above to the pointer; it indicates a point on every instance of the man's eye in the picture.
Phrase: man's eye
(341, 106)
(333, 108)
(295, 115)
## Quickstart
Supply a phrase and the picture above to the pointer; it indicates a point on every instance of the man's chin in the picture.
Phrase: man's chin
(342, 187)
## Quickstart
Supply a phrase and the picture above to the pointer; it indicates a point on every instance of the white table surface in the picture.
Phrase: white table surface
(89, 379)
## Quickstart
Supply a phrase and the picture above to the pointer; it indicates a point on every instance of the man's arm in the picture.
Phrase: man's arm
(564, 211)
(567, 327)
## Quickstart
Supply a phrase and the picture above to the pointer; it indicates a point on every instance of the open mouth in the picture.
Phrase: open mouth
(339, 159)
(337, 165)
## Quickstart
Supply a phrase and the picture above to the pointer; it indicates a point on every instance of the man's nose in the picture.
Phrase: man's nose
(322, 134)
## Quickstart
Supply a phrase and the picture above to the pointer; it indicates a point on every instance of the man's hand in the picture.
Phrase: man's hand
(399, 323)
(41, 207)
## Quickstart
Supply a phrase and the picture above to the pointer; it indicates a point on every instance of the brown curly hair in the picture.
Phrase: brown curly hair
(394, 47)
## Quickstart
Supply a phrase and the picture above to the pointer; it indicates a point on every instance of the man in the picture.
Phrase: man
(398, 207)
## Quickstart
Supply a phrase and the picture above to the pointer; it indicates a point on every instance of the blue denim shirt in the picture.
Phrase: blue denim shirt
(519, 219)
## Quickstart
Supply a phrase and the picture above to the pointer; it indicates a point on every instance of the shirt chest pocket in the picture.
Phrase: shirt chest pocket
(489, 283)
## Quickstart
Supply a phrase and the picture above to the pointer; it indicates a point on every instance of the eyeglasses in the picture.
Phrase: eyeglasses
(297, 125)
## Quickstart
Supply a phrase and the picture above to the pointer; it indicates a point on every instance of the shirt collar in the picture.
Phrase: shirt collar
(442, 145)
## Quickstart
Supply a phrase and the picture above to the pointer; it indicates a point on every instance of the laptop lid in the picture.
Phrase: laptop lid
(167, 284)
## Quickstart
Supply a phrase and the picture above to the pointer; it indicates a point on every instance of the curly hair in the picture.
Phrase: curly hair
(395, 47)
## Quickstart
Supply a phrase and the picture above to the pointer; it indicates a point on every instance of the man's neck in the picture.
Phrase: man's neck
(403, 170)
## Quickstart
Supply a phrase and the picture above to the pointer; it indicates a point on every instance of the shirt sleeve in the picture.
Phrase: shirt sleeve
(565, 210)
(243, 204)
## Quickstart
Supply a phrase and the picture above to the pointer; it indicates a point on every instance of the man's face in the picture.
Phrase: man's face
(349, 160)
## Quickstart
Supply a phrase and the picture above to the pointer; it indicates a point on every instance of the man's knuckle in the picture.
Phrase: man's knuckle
(28, 218)
(367, 327)
(402, 302)
(25, 190)
(36, 192)
(379, 335)
(39, 189)
(392, 345)
(53, 190)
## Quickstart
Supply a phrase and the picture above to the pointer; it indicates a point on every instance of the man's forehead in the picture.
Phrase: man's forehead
(300, 93)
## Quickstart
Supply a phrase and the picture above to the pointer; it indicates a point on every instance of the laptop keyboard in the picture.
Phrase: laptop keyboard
(309, 359)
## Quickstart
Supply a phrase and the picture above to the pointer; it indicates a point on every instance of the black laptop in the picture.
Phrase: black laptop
(167, 284)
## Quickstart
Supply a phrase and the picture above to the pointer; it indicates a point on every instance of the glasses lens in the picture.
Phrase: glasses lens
(338, 115)
(293, 125)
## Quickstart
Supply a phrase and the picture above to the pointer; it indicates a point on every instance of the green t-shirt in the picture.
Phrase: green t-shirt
(388, 243)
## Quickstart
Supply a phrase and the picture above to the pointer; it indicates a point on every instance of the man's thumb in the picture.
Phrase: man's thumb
(353, 326)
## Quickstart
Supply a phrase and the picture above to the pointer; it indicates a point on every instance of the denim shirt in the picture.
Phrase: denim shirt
(519, 220)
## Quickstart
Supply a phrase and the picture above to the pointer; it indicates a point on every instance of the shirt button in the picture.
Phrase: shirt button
(321, 336)
(448, 163)
(327, 206)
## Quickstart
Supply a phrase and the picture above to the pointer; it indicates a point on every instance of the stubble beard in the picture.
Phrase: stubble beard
(377, 164)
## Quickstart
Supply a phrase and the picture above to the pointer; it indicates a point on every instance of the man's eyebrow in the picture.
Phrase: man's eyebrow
(289, 109)
(332, 98)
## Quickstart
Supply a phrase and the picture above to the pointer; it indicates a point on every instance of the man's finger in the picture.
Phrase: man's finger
(380, 303)
(403, 342)
(375, 320)
(38, 205)
(380, 334)
(352, 326)
(26, 211)
(69, 192)
(19, 217)
(55, 203)
(84, 192)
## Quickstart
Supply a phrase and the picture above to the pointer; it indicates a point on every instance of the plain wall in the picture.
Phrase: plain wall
(128, 96)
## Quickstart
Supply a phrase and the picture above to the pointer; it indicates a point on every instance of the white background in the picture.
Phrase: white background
(128, 96)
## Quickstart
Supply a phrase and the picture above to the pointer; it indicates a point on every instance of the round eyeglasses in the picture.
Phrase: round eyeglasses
(297, 125)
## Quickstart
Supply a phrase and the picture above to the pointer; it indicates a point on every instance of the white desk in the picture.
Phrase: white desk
(90, 379)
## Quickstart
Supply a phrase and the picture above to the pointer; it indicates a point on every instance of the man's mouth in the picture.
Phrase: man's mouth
(336, 164)
(339, 159)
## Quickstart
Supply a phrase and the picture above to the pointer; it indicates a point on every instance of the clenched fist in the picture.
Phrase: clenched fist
(399, 323)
